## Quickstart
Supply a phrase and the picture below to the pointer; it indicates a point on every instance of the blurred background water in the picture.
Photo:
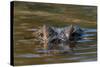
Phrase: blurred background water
(28, 15)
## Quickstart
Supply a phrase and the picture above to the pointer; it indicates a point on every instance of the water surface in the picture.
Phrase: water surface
(29, 16)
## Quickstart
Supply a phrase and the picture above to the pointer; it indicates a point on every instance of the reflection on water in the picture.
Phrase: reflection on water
(29, 16)
(85, 51)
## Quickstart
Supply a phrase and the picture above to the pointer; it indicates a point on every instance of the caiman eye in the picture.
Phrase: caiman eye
(41, 34)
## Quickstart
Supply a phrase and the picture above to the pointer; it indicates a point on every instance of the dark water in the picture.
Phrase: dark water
(27, 17)
(27, 53)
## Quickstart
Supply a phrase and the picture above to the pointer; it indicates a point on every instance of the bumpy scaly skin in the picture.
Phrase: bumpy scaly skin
(61, 38)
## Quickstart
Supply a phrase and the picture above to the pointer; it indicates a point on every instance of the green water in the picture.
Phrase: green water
(32, 15)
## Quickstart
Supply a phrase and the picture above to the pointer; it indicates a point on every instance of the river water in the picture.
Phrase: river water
(28, 52)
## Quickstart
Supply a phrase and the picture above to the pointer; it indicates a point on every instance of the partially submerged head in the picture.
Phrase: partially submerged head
(58, 36)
